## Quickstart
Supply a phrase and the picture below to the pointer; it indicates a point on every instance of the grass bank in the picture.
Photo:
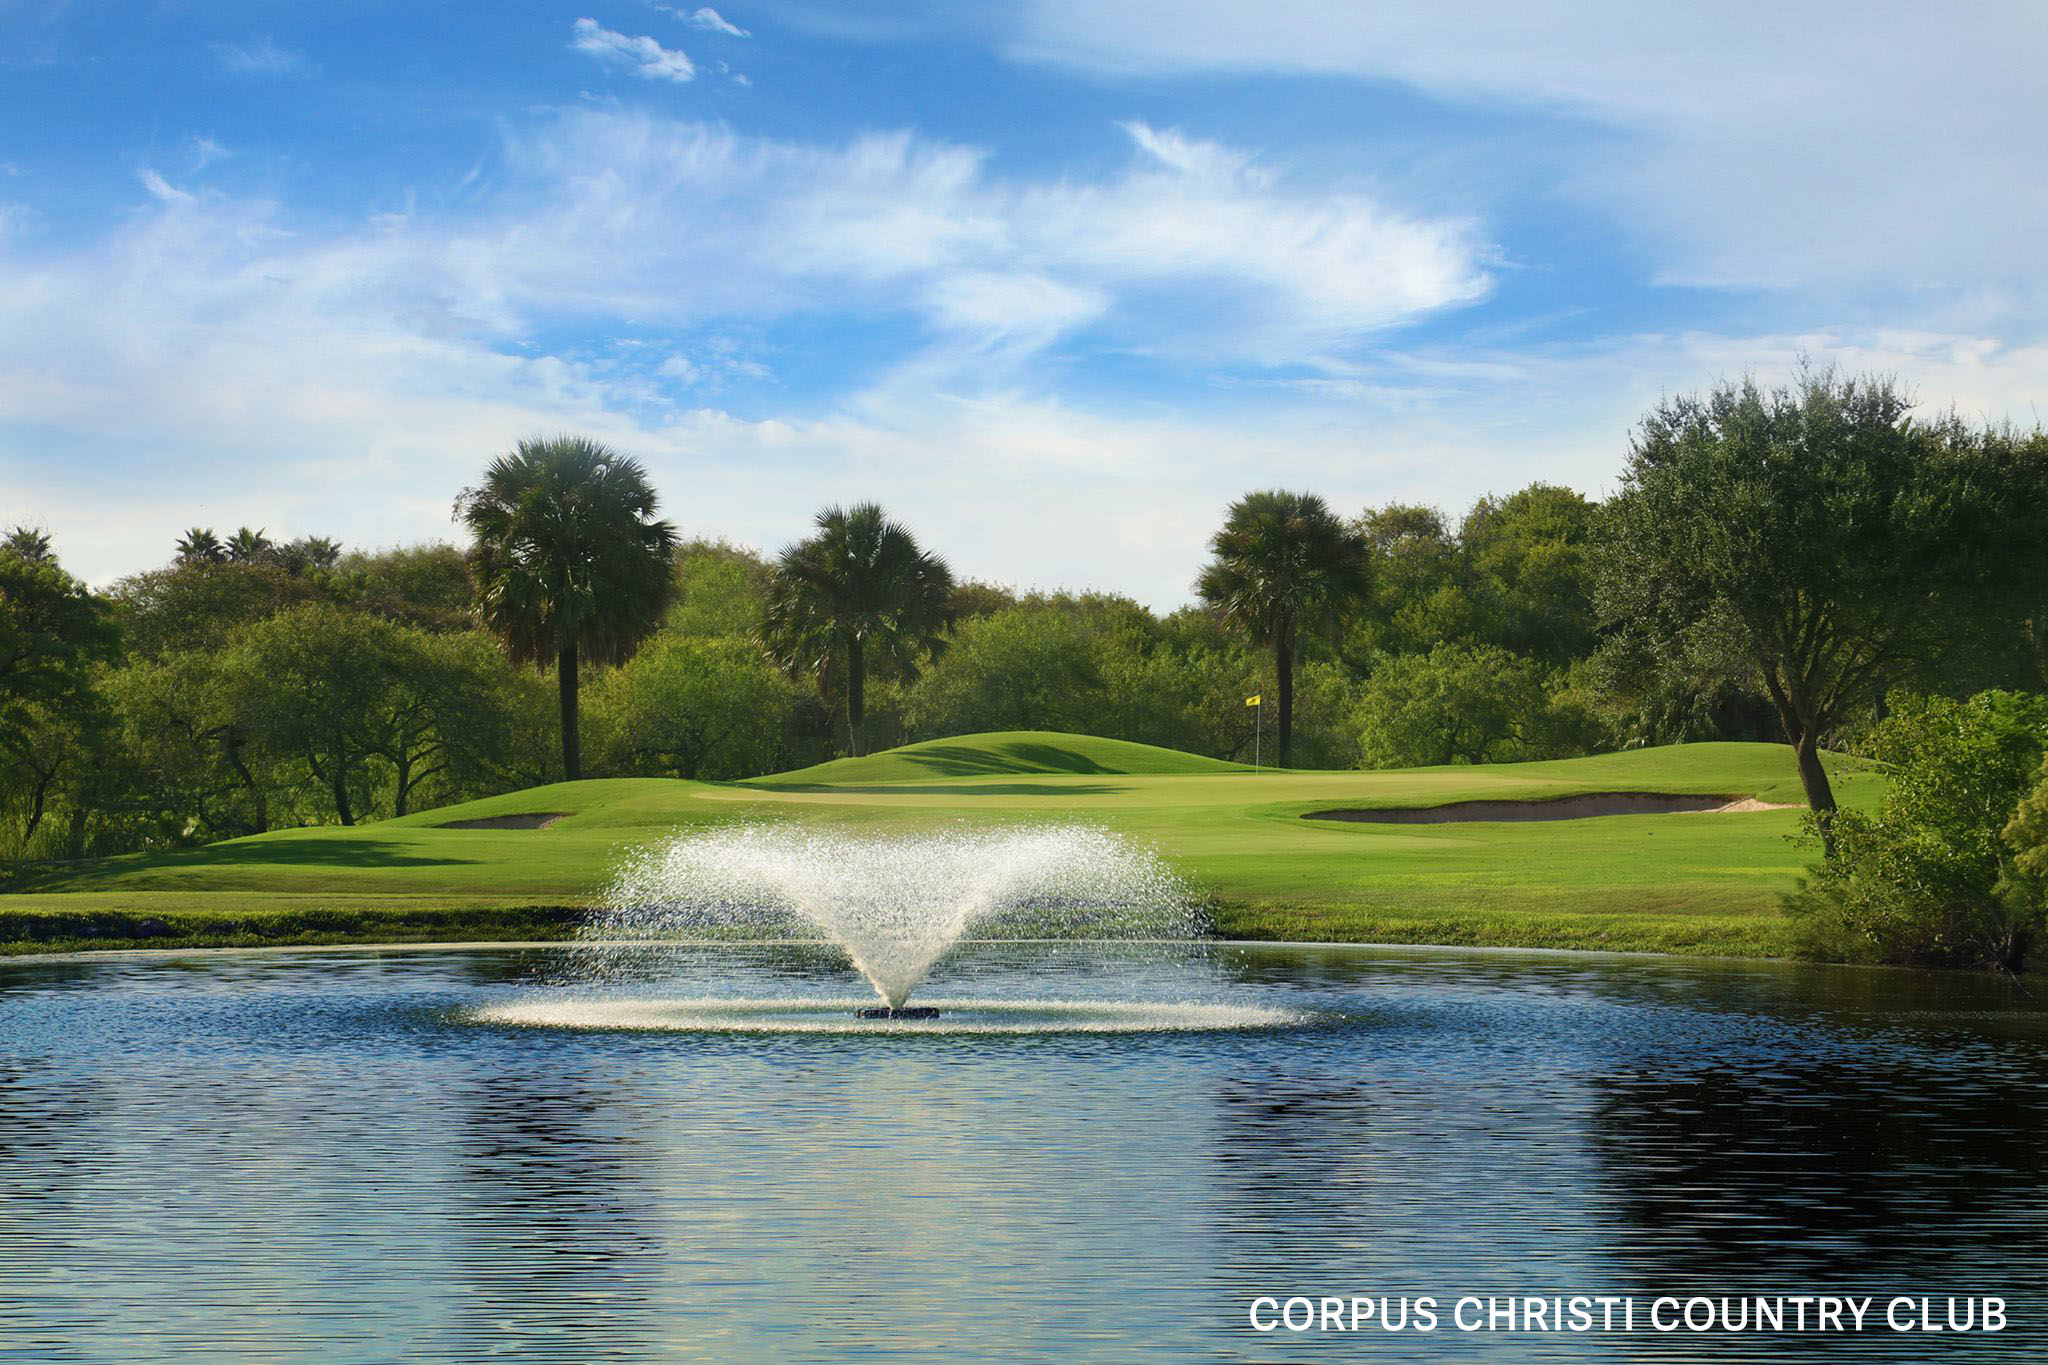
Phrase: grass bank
(1690, 883)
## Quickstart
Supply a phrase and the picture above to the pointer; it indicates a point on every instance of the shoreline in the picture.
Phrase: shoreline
(46, 931)
(133, 953)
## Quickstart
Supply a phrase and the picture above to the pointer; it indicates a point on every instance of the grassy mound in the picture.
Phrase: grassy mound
(1001, 753)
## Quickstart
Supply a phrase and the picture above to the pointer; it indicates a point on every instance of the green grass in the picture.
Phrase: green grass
(1677, 883)
(1005, 753)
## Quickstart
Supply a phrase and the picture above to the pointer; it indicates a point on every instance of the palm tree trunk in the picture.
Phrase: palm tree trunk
(856, 697)
(1283, 668)
(572, 746)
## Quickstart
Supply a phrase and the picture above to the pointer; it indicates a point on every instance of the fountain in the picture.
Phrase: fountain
(897, 904)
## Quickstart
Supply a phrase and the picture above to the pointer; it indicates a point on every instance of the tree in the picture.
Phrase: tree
(569, 561)
(52, 631)
(48, 752)
(1947, 872)
(859, 591)
(1818, 533)
(1456, 704)
(1285, 567)
(447, 716)
(2026, 834)
(248, 546)
(1036, 667)
(196, 604)
(1416, 594)
(313, 684)
(416, 585)
(28, 543)
(201, 546)
(53, 635)
(696, 707)
(194, 767)
(721, 589)
(1527, 559)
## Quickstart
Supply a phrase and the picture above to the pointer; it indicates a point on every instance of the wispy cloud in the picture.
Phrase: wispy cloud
(404, 352)
(643, 56)
(202, 335)
(161, 189)
(261, 57)
(204, 151)
(1894, 151)
(708, 19)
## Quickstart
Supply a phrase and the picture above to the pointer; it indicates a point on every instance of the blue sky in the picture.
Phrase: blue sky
(1052, 279)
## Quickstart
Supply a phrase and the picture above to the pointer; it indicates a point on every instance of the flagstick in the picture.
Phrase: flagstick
(1258, 731)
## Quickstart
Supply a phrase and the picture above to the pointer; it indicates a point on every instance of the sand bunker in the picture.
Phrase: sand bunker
(1581, 807)
(536, 820)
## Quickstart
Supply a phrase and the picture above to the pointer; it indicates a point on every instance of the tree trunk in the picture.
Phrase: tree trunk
(232, 741)
(399, 800)
(1283, 668)
(856, 697)
(339, 783)
(1812, 776)
(35, 812)
(572, 746)
(1802, 731)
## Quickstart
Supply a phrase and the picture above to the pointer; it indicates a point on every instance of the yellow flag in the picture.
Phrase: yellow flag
(1252, 700)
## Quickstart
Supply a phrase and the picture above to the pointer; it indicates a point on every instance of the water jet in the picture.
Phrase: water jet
(894, 905)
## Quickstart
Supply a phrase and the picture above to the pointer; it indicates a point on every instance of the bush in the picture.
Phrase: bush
(1934, 878)
(704, 708)
(1469, 704)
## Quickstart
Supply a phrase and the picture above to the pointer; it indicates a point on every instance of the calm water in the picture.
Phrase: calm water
(341, 1156)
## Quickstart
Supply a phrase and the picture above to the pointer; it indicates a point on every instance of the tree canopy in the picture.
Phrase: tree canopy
(1819, 534)
(858, 591)
(570, 563)
(1284, 566)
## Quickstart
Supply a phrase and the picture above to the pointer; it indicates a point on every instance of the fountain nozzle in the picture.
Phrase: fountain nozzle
(897, 1012)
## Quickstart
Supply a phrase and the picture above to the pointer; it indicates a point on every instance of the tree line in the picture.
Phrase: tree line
(1800, 563)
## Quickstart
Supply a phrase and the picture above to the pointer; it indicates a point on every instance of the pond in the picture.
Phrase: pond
(1096, 1151)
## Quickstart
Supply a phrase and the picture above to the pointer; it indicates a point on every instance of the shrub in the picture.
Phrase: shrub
(1933, 878)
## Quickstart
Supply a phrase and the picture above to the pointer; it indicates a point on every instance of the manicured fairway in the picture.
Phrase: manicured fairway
(1706, 883)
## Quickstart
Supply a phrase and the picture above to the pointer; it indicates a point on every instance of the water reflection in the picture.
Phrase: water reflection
(1801, 1173)
(553, 1232)
(358, 1169)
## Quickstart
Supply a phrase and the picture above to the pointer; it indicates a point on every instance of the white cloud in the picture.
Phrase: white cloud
(261, 57)
(226, 360)
(643, 56)
(160, 188)
(711, 21)
(218, 357)
(204, 151)
(1830, 145)
(369, 438)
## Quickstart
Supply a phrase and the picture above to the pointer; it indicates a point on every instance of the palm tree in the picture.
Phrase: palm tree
(200, 546)
(569, 563)
(320, 551)
(246, 546)
(30, 544)
(1285, 566)
(859, 588)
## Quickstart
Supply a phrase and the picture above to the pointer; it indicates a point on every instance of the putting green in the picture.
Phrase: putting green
(1671, 882)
